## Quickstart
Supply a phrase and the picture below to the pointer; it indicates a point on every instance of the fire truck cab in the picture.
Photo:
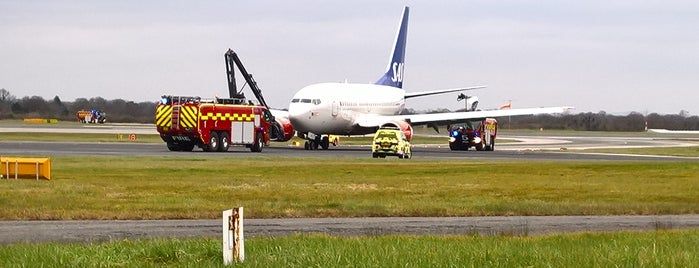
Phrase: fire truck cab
(475, 133)
(184, 122)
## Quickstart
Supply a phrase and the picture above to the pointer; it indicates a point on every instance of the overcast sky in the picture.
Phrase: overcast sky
(613, 56)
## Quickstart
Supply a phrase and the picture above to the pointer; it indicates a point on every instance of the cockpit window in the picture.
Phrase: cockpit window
(316, 101)
(305, 100)
(294, 100)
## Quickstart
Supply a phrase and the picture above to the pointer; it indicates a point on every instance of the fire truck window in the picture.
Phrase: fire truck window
(266, 115)
(469, 124)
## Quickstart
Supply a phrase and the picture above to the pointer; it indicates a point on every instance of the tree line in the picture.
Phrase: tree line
(123, 111)
(603, 122)
(119, 110)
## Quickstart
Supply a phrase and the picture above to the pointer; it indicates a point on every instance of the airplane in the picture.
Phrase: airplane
(323, 109)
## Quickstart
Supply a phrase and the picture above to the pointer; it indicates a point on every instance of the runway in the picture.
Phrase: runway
(527, 148)
(538, 148)
(94, 231)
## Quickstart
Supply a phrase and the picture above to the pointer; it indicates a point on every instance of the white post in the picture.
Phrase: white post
(233, 239)
(37, 170)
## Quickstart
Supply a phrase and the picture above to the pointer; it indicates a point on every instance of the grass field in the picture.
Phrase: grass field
(669, 151)
(190, 187)
(625, 249)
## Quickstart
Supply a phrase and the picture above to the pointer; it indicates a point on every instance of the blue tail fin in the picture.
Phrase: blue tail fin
(394, 72)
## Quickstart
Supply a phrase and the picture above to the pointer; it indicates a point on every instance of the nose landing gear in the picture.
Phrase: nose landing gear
(313, 142)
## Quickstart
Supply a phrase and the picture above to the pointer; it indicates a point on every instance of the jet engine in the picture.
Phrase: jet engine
(282, 130)
(402, 125)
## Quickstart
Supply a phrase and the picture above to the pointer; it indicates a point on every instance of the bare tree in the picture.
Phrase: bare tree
(5, 96)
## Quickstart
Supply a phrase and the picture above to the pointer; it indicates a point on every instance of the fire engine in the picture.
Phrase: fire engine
(475, 133)
(91, 116)
(214, 125)
(184, 122)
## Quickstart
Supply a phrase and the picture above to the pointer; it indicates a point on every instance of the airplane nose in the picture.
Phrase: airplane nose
(297, 116)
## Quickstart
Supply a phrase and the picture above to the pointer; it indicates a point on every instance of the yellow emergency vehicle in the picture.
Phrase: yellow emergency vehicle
(391, 142)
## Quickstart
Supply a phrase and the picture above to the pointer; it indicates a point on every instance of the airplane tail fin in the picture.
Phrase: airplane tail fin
(394, 72)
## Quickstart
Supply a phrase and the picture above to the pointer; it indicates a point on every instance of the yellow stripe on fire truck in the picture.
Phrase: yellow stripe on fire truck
(188, 116)
(228, 116)
(163, 116)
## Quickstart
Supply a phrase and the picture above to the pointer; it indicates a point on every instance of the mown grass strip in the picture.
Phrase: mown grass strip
(190, 186)
(692, 151)
(625, 249)
(79, 137)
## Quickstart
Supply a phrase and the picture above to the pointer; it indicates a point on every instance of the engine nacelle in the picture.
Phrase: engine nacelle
(283, 130)
(402, 125)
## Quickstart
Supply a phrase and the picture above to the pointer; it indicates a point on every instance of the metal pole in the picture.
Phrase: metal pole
(37, 170)
(16, 168)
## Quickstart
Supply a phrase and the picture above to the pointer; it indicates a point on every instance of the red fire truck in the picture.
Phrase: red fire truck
(91, 116)
(475, 133)
(184, 122)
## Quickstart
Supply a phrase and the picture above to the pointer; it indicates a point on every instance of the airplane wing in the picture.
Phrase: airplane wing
(438, 91)
(448, 118)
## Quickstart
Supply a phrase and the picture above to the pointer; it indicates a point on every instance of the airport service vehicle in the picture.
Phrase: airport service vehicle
(184, 122)
(214, 125)
(475, 133)
(391, 142)
(92, 116)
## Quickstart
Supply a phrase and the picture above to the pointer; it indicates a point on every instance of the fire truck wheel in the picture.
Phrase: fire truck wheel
(225, 142)
(213, 142)
(306, 146)
(479, 147)
(259, 143)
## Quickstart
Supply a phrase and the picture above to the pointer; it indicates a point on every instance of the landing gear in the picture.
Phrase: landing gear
(311, 145)
(313, 141)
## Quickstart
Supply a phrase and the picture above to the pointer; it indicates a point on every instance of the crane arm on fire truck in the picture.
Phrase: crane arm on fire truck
(231, 60)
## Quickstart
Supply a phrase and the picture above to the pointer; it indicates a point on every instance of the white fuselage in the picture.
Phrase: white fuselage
(331, 108)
